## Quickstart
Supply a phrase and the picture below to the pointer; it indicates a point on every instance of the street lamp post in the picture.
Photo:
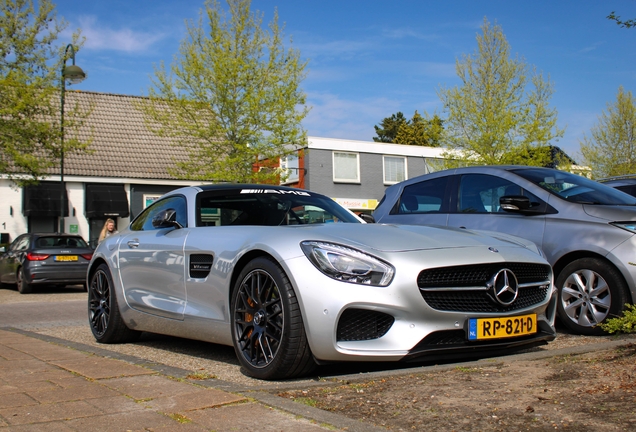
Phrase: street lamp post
(73, 74)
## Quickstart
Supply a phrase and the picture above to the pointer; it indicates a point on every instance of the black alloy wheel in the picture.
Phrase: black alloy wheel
(106, 323)
(268, 332)
(24, 287)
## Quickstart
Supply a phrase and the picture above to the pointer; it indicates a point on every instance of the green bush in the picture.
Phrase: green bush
(622, 324)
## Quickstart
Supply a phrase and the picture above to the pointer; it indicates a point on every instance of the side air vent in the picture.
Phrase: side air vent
(200, 265)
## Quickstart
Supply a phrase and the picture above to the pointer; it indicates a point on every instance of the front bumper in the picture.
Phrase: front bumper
(412, 331)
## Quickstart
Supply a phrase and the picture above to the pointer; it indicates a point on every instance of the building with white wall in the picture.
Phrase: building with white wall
(125, 168)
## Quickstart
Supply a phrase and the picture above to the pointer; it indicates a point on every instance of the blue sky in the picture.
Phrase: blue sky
(369, 59)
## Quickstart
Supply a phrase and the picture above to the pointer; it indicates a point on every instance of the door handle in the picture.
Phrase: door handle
(133, 244)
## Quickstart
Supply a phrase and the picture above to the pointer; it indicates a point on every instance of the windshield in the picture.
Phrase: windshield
(259, 207)
(65, 242)
(575, 188)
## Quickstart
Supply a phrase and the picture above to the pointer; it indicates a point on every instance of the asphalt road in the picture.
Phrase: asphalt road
(50, 308)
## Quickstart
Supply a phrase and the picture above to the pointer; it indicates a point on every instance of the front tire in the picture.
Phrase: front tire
(104, 318)
(24, 287)
(590, 291)
(267, 326)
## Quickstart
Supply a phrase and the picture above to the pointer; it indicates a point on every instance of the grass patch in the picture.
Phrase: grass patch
(179, 418)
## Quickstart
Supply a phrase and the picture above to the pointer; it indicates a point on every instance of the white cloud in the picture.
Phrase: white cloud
(99, 37)
(333, 117)
(592, 47)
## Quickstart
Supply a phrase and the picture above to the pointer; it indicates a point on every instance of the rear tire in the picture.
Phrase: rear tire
(24, 287)
(104, 318)
(590, 292)
(267, 325)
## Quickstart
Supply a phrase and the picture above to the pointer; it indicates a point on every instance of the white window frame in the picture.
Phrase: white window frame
(346, 180)
(290, 166)
(384, 172)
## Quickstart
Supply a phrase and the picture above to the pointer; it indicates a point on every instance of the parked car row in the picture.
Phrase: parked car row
(469, 261)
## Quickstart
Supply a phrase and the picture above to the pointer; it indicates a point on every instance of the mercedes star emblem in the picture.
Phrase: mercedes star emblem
(503, 287)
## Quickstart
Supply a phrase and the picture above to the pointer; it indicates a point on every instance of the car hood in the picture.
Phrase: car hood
(395, 238)
(611, 213)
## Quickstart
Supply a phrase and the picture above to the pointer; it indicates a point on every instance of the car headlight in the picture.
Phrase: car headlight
(627, 226)
(348, 265)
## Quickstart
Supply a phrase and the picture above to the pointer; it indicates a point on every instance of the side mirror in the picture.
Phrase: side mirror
(166, 219)
(514, 203)
(366, 217)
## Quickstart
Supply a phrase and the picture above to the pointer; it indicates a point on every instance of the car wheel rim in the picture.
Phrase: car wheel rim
(586, 298)
(258, 318)
(99, 303)
(20, 281)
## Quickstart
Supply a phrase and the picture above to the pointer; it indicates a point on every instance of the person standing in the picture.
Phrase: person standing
(108, 230)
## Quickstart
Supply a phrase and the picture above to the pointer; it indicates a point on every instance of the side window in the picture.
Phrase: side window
(423, 197)
(144, 220)
(479, 193)
(21, 243)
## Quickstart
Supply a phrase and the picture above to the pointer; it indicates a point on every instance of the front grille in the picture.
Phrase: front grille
(479, 300)
(362, 324)
(479, 274)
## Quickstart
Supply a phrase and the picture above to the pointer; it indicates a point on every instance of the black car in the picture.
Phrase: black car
(625, 183)
(45, 259)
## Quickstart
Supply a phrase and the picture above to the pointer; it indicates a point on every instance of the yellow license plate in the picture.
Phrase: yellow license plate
(495, 328)
(65, 257)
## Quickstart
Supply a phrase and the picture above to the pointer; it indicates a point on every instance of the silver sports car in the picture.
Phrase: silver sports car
(291, 279)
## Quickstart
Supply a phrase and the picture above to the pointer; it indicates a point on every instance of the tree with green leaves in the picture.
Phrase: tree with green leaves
(388, 129)
(30, 65)
(421, 131)
(416, 131)
(619, 21)
(232, 96)
(610, 149)
(500, 113)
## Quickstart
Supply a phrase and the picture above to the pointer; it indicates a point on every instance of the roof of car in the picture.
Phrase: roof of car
(225, 186)
(48, 234)
(619, 180)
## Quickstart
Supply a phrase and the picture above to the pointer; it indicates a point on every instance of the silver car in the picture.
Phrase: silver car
(586, 229)
(290, 279)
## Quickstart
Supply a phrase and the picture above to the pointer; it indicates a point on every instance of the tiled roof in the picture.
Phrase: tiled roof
(121, 145)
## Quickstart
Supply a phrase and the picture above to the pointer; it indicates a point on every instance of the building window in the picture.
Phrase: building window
(289, 168)
(394, 169)
(346, 167)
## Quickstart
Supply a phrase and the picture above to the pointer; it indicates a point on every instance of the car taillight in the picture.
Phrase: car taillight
(87, 256)
(30, 256)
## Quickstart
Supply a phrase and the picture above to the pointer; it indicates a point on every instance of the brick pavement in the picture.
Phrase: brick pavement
(48, 387)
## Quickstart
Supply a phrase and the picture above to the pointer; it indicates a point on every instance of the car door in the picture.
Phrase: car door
(477, 207)
(151, 261)
(10, 260)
